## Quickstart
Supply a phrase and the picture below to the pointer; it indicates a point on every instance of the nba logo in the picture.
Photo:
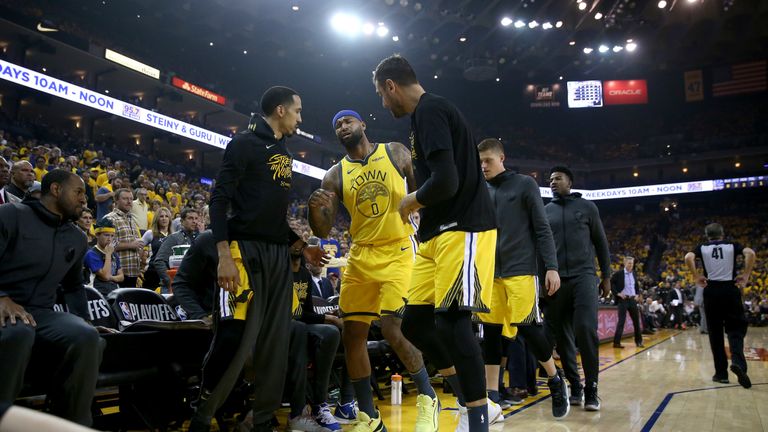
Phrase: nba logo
(126, 311)
(181, 313)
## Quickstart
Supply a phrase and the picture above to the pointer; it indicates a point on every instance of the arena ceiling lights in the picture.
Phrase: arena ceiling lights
(352, 26)
(629, 47)
(519, 24)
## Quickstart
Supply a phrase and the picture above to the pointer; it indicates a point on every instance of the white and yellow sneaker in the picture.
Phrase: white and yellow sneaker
(428, 413)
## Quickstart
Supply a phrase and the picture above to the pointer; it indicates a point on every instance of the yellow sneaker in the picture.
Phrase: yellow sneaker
(366, 424)
(428, 412)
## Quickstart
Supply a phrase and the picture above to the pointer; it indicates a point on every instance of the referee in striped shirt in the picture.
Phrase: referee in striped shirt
(723, 305)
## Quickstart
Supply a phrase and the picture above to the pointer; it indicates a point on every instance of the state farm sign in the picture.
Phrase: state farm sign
(202, 92)
(625, 92)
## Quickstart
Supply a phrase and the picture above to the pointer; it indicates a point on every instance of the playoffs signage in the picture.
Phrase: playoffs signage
(628, 92)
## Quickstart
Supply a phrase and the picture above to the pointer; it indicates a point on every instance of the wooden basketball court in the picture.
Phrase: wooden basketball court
(666, 386)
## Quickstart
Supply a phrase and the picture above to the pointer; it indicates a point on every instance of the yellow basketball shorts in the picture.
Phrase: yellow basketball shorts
(235, 305)
(376, 280)
(515, 301)
(455, 266)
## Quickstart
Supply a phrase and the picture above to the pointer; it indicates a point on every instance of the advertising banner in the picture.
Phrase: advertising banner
(543, 96)
(625, 92)
(199, 91)
(131, 63)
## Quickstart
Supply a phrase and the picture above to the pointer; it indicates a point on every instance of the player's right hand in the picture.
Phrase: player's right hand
(321, 199)
(228, 275)
(10, 310)
(701, 280)
(552, 282)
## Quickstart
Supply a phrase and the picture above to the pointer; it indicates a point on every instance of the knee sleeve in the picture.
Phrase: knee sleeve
(492, 344)
(456, 327)
(419, 328)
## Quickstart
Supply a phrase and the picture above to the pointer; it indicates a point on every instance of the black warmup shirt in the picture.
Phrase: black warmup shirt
(302, 281)
(719, 259)
(436, 125)
(251, 197)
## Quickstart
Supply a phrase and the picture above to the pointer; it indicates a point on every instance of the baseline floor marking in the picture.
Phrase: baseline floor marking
(601, 370)
(668, 398)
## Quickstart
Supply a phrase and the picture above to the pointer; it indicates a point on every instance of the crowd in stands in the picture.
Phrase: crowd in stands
(647, 136)
(157, 189)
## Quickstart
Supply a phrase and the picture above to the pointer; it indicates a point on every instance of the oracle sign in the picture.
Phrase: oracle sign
(203, 93)
(625, 92)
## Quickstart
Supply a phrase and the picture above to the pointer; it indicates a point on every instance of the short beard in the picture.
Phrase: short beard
(353, 140)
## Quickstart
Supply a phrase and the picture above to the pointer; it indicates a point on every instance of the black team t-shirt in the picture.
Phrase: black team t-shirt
(436, 124)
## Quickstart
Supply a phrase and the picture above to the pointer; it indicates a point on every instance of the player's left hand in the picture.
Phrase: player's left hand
(742, 281)
(552, 282)
(605, 287)
(316, 256)
(408, 205)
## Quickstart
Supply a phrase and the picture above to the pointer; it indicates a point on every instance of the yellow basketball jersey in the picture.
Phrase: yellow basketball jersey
(371, 191)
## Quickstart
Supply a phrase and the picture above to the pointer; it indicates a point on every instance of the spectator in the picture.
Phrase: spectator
(22, 178)
(102, 260)
(154, 237)
(195, 283)
(5, 177)
(185, 236)
(85, 223)
(40, 168)
(676, 300)
(321, 286)
(28, 294)
(90, 196)
(34, 191)
(105, 197)
(160, 192)
(140, 209)
(129, 244)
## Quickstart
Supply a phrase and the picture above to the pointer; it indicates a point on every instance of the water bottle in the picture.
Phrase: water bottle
(397, 389)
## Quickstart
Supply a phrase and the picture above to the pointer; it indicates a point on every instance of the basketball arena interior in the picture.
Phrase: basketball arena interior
(156, 156)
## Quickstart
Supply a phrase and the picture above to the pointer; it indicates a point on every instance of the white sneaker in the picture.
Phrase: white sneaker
(494, 414)
(304, 423)
(463, 425)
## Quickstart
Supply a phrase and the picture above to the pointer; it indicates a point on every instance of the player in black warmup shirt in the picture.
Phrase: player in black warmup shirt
(722, 299)
(453, 271)
(248, 218)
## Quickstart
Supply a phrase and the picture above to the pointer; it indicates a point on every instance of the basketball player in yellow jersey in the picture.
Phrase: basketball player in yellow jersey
(371, 181)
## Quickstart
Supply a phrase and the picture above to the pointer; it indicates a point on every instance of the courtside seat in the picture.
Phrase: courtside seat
(139, 309)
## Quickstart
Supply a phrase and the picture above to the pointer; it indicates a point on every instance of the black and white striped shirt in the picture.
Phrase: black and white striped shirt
(719, 259)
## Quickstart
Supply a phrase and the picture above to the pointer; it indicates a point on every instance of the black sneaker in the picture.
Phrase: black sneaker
(496, 397)
(721, 380)
(510, 396)
(591, 400)
(558, 387)
(742, 375)
(577, 394)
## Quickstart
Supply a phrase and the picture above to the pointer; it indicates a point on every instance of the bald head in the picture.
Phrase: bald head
(22, 175)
